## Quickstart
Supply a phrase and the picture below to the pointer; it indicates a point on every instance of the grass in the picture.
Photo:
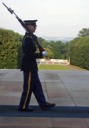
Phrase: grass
(52, 67)
(78, 68)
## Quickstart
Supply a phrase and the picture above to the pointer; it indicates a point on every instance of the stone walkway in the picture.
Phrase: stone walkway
(68, 89)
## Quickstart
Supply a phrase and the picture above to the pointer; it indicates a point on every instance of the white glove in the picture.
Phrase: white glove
(44, 53)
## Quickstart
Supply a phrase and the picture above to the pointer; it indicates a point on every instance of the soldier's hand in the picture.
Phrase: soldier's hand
(44, 53)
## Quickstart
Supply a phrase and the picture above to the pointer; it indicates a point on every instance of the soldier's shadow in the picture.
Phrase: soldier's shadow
(58, 111)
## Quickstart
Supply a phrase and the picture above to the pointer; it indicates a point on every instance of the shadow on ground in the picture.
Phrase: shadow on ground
(58, 111)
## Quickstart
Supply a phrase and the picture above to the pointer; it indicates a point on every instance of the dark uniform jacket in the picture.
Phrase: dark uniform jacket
(29, 56)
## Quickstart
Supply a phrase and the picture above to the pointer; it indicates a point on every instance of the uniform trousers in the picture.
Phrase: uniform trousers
(31, 84)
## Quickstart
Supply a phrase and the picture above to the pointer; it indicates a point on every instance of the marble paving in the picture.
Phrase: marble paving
(68, 89)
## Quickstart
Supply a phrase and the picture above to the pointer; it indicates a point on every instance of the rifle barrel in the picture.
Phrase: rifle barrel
(24, 26)
(5, 5)
(9, 9)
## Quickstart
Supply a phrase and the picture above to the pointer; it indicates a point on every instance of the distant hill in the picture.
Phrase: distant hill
(63, 39)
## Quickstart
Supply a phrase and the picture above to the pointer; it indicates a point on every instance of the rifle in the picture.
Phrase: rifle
(25, 27)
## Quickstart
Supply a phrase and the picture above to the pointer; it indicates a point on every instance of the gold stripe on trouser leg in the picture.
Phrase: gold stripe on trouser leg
(29, 81)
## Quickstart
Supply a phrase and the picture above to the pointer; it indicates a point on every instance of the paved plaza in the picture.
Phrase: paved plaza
(68, 89)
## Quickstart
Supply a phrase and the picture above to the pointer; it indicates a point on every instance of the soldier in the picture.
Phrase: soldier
(31, 81)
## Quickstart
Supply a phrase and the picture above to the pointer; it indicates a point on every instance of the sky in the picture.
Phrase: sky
(56, 18)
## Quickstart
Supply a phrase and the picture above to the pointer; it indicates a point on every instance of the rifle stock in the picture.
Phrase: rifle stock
(25, 27)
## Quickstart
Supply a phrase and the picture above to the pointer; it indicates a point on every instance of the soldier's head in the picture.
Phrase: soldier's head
(31, 25)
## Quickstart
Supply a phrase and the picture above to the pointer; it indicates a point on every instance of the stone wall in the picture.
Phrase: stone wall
(54, 61)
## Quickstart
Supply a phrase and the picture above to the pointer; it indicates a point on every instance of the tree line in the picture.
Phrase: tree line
(76, 51)
(11, 49)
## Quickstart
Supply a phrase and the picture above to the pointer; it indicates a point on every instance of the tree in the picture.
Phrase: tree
(78, 52)
(40, 40)
(58, 48)
(9, 49)
(84, 32)
(50, 54)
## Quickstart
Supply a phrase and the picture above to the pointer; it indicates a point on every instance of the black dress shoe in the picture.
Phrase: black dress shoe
(48, 106)
(29, 109)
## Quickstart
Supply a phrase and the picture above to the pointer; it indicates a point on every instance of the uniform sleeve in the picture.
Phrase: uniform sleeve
(29, 49)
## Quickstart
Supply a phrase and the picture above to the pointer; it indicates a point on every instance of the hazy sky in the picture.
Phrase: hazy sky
(61, 18)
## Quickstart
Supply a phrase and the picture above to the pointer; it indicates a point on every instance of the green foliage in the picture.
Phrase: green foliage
(78, 52)
(84, 32)
(40, 40)
(9, 46)
(50, 54)
(58, 49)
